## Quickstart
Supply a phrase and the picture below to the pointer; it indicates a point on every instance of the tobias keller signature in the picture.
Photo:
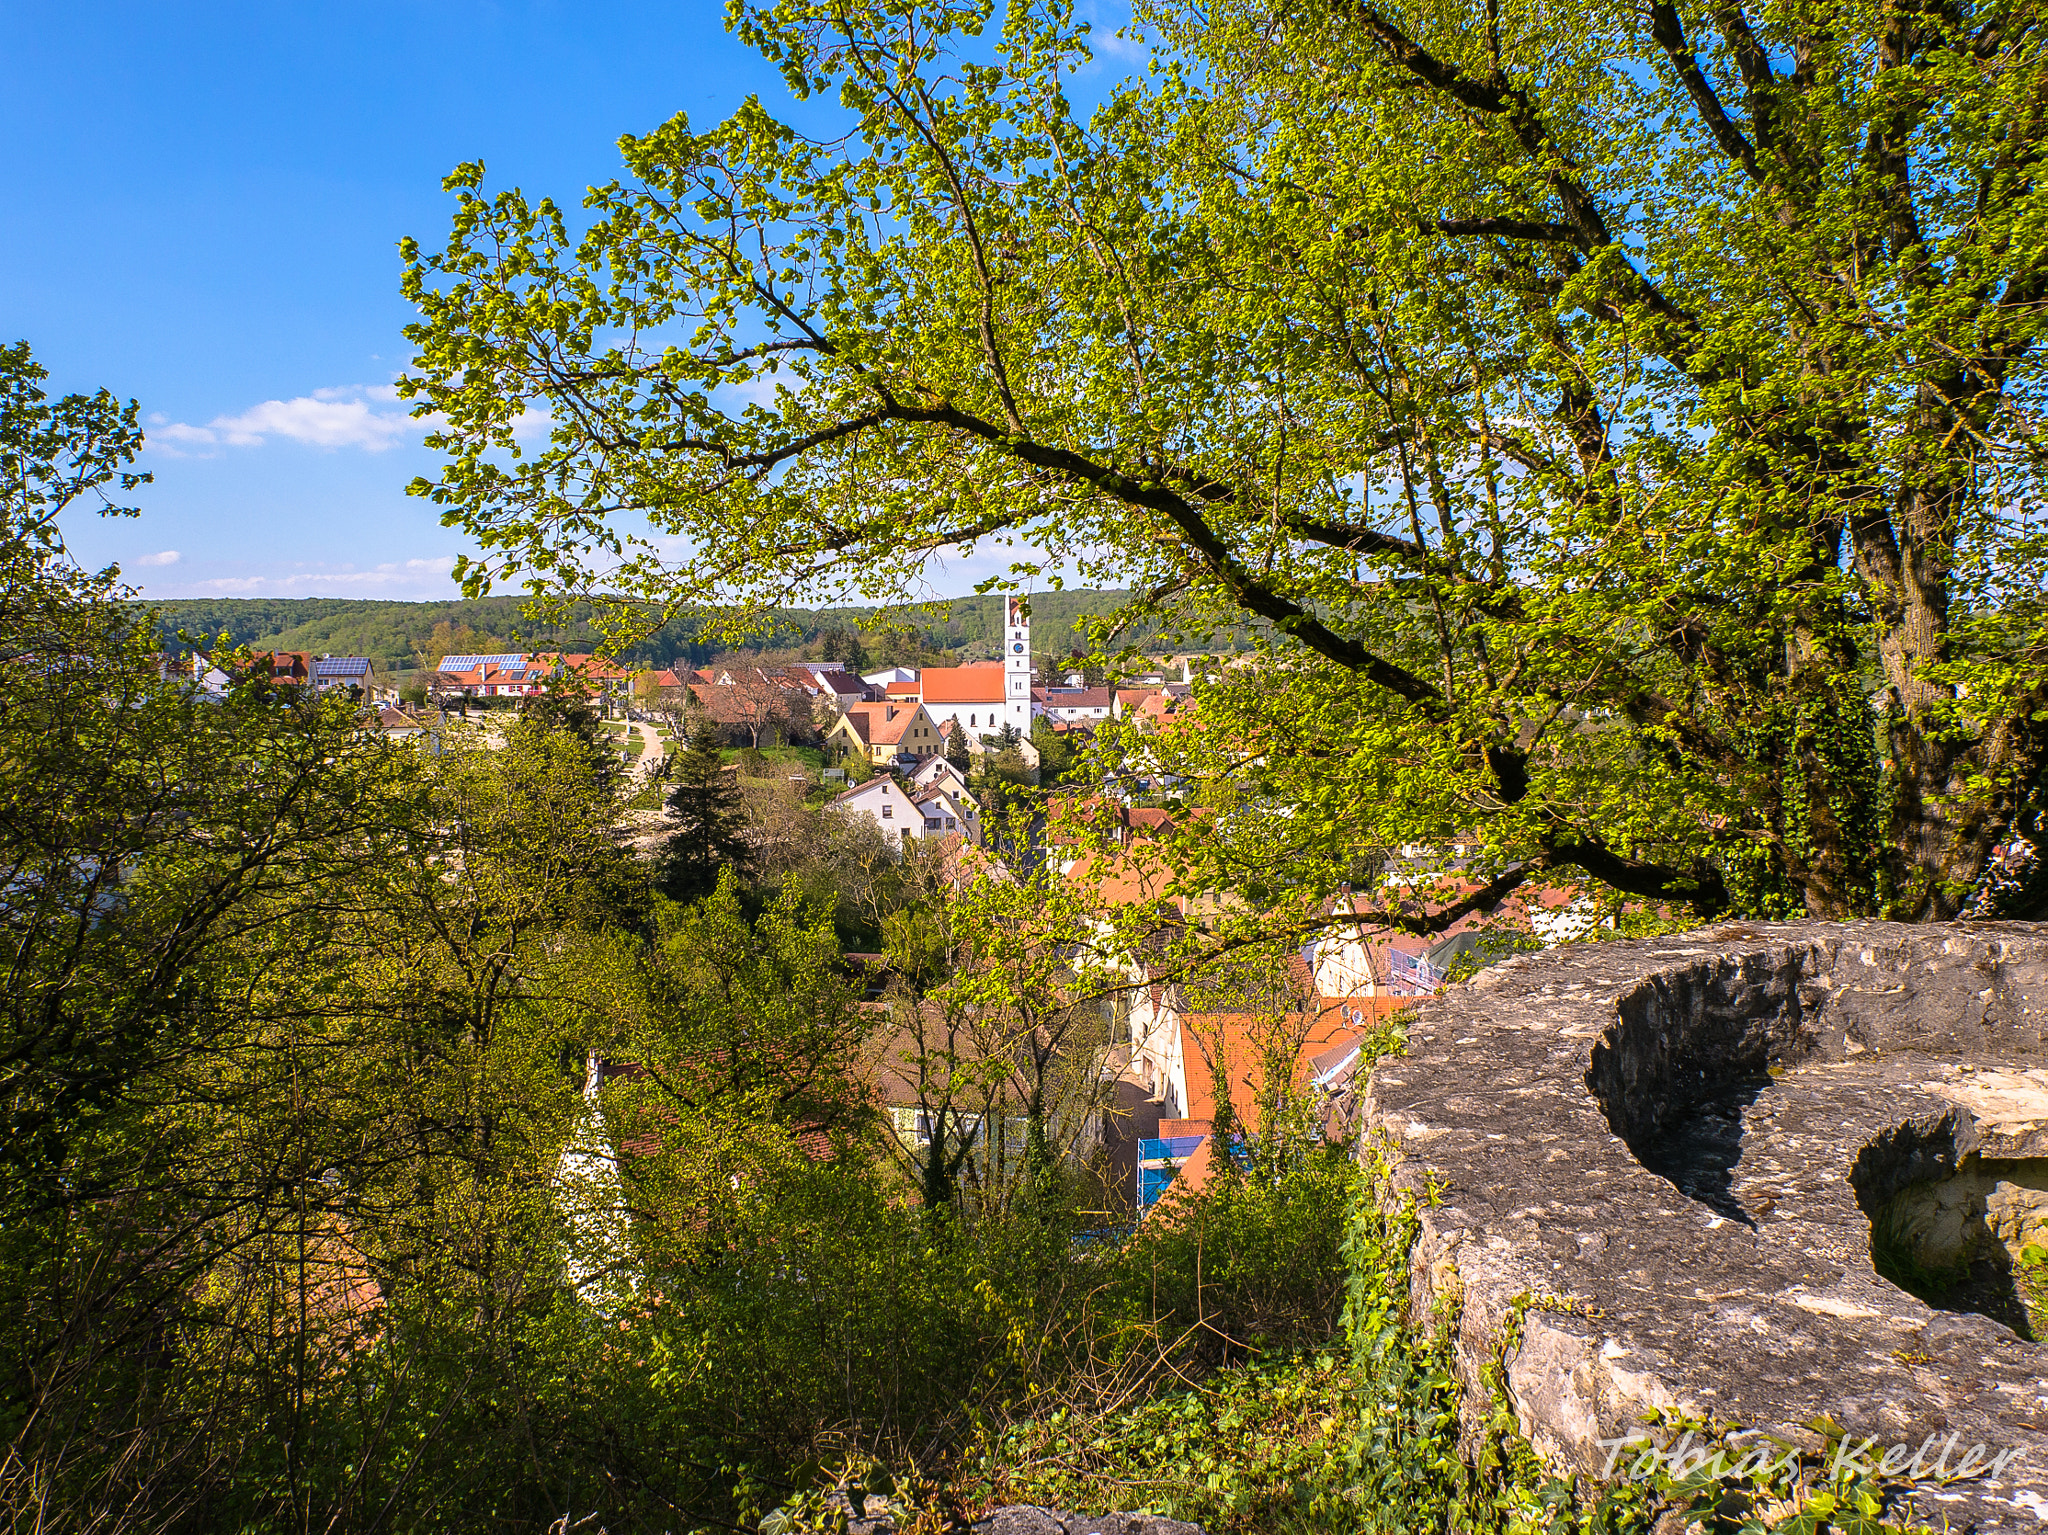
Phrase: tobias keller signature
(1769, 1456)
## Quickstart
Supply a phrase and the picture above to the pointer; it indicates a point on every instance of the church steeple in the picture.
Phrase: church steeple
(1017, 664)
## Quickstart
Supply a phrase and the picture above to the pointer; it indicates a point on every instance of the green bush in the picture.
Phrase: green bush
(1251, 1264)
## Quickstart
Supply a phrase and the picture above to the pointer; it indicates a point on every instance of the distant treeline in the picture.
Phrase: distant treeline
(398, 635)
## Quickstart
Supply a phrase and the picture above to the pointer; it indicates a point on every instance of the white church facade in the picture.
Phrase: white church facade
(985, 697)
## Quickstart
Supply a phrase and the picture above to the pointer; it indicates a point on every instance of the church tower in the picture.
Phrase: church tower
(1017, 665)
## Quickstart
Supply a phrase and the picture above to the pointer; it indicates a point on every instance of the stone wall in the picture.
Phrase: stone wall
(1647, 1175)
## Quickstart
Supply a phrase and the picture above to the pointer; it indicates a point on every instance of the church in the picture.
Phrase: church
(985, 696)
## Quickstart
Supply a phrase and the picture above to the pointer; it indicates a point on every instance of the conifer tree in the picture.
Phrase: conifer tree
(708, 821)
(956, 749)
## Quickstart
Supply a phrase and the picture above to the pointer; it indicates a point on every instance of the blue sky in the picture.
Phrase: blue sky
(203, 203)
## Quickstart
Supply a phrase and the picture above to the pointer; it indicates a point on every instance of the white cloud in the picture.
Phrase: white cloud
(161, 557)
(397, 575)
(1108, 19)
(366, 416)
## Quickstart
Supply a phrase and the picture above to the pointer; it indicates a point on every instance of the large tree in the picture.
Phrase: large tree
(1620, 419)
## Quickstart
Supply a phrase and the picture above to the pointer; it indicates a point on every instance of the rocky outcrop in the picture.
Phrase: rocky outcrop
(1647, 1175)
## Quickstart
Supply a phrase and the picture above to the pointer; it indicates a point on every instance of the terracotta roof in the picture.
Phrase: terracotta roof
(287, 665)
(962, 684)
(735, 704)
(1159, 706)
(1122, 879)
(1238, 1042)
(1079, 698)
(885, 731)
(901, 690)
(595, 667)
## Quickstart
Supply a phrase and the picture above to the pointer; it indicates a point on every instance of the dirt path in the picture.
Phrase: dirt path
(652, 751)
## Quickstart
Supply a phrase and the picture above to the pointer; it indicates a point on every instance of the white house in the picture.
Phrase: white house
(883, 801)
(938, 771)
(1076, 706)
(830, 682)
(949, 811)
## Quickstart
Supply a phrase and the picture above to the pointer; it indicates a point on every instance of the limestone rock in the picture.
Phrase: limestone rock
(1667, 1157)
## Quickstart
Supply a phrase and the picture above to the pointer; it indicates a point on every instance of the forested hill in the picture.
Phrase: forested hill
(398, 634)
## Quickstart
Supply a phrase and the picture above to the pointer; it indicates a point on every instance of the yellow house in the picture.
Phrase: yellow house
(885, 731)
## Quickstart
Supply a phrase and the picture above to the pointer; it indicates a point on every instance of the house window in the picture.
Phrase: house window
(888, 812)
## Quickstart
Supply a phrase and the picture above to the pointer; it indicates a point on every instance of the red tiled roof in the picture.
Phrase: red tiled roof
(883, 724)
(595, 667)
(962, 684)
(1079, 698)
(884, 731)
(286, 665)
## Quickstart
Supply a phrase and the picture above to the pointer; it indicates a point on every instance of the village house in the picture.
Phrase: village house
(756, 708)
(832, 684)
(401, 724)
(982, 1110)
(301, 668)
(346, 672)
(1186, 1057)
(882, 800)
(605, 678)
(1130, 699)
(886, 734)
(509, 674)
(294, 666)
(934, 771)
(1074, 706)
(948, 811)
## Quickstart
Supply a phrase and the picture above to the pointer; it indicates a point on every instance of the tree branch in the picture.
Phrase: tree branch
(1669, 32)
(1512, 229)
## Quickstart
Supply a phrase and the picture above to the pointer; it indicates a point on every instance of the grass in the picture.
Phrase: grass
(808, 758)
(2030, 1279)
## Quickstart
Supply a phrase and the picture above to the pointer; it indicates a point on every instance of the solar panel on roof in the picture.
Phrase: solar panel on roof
(471, 663)
(341, 666)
